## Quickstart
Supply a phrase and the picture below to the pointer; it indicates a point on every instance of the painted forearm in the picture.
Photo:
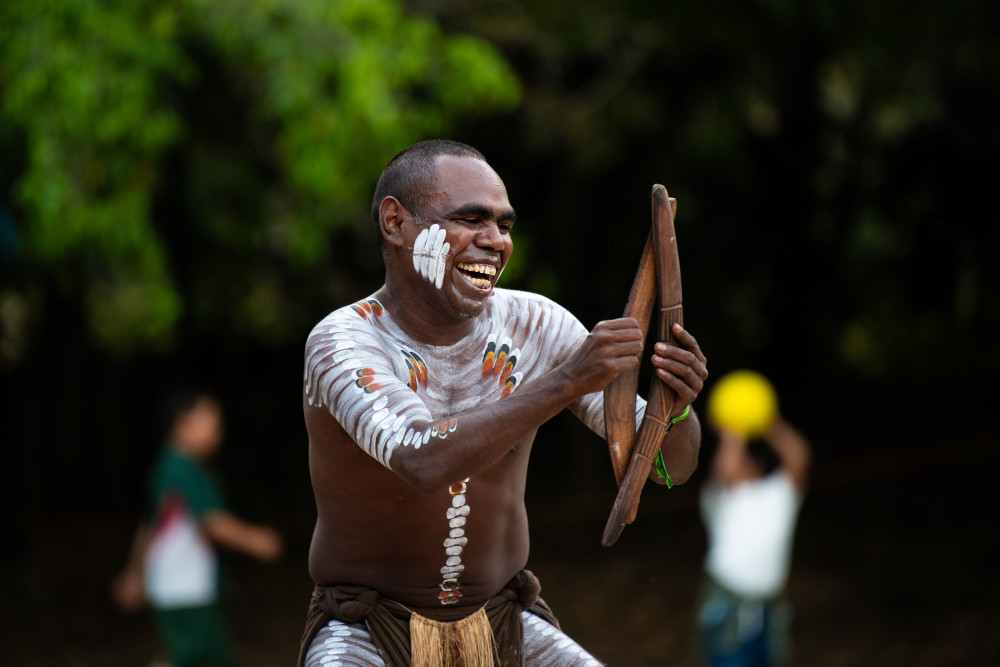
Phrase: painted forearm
(477, 438)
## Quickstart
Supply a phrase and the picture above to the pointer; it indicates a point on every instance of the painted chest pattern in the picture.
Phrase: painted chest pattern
(378, 398)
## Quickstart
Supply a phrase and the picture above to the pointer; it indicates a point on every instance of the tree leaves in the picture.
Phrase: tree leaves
(106, 100)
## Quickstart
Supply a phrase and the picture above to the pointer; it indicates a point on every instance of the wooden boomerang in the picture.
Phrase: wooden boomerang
(632, 453)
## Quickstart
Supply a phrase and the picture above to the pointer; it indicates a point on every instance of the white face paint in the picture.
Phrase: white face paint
(430, 254)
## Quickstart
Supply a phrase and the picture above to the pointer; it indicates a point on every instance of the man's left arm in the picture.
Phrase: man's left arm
(684, 368)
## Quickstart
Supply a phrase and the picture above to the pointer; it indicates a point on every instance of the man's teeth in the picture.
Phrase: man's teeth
(488, 269)
(484, 269)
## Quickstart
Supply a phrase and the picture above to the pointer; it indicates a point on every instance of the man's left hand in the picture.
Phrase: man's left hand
(683, 367)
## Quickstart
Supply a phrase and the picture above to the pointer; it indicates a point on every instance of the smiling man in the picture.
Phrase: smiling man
(422, 402)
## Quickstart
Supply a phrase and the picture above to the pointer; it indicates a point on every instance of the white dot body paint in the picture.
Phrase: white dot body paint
(430, 254)
(454, 544)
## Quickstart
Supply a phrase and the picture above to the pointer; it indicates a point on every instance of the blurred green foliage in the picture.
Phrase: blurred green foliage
(207, 165)
(261, 124)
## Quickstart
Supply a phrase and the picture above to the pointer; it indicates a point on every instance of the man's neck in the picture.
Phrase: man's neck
(422, 322)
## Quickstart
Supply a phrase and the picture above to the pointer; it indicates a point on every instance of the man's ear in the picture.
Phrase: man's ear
(391, 216)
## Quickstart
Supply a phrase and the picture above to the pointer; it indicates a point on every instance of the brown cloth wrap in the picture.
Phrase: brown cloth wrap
(389, 622)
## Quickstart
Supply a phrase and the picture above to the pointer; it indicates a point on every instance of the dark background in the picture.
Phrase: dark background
(834, 165)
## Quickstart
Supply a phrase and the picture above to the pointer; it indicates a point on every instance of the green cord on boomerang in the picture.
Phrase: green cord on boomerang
(661, 468)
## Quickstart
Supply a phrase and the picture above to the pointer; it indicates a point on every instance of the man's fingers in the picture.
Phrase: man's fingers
(689, 375)
(623, 363)
(690, 355)
(680, 361)
(685, 394)
(688, 341)
(625, 328)
(611, 351)
(680, 377)
(620, 323)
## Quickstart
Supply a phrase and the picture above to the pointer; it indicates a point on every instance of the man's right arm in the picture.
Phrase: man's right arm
(387, 419)
(486, 433)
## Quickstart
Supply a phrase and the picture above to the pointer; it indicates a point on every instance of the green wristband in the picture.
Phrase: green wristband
(682, 415)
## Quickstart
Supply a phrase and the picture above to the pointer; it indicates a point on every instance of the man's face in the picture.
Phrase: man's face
(461, 240)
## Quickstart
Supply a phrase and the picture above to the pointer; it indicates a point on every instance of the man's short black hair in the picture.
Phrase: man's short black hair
(407, 174)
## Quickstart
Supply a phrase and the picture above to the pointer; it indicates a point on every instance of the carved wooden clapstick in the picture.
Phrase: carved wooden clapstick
(619, 396)
(655, 422)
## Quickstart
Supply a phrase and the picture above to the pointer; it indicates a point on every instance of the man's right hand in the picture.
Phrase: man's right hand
(611, 348)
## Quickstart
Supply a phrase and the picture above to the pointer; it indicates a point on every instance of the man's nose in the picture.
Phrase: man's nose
(490, 237)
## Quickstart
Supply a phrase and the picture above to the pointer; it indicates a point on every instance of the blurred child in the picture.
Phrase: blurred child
(173, 564)
(750, 504)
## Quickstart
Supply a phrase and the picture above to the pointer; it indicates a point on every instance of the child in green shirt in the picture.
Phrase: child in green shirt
(174, 565)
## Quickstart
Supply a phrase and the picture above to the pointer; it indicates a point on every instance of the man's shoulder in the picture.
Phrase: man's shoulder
(507, 301)
(356, 336)
(536, 315)
(352, 317)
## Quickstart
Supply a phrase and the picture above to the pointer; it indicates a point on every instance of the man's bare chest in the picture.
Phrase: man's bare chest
(483, 370)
